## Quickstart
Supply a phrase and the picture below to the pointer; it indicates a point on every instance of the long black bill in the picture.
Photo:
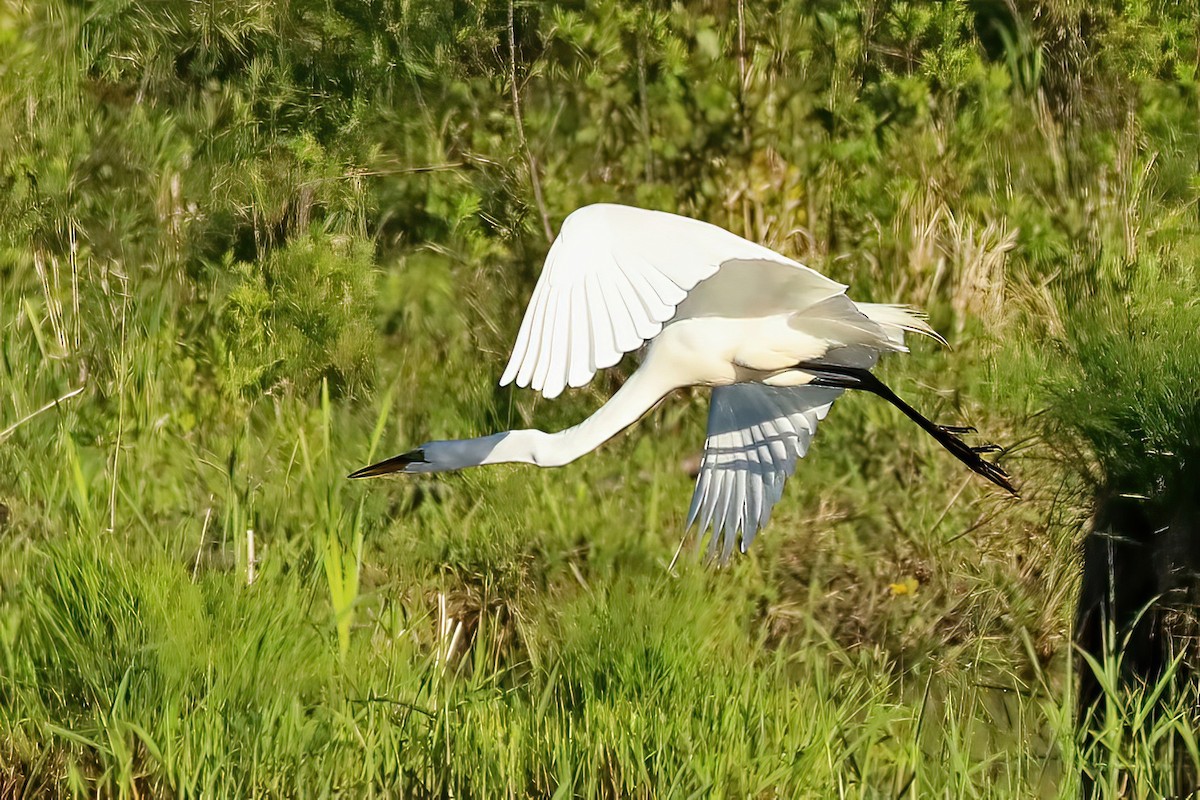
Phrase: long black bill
(394, 464)
(840, 377)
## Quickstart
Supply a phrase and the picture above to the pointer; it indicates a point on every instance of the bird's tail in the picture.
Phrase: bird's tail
(896, 320)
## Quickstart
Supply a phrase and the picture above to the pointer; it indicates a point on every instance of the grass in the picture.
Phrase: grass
(901, 630)
(513, 632)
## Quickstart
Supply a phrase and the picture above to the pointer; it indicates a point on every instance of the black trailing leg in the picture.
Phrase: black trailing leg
(835, 375)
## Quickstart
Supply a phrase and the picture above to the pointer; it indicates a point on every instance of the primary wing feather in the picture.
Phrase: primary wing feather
(756, 433)
(629, 269)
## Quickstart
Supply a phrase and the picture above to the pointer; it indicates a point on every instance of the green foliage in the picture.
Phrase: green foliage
(304, 313)
(1125, 384)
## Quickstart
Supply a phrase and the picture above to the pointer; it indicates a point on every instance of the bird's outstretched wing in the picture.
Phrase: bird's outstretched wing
(755, 435)
(612, 278)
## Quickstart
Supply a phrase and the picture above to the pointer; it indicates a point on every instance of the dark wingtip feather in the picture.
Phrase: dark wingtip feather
(394, 464)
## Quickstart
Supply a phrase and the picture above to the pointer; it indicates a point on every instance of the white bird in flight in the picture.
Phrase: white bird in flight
(776, 340)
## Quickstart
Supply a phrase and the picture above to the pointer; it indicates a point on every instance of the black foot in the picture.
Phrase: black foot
(969, 455)
(844, 377)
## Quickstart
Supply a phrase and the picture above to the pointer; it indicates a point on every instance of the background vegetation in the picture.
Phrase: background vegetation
(247, 247)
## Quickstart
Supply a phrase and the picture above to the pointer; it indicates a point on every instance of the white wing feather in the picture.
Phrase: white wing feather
(612, 278)
(756, 433)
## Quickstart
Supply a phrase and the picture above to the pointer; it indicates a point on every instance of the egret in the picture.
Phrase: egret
(777, 341)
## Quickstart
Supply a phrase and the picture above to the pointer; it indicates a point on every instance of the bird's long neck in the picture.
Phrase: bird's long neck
(640, 393)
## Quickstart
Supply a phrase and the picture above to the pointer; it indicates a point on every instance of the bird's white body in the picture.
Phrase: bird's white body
(712, 309)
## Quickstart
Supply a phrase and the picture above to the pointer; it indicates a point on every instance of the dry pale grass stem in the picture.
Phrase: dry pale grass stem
(953, 251)
(980, 255)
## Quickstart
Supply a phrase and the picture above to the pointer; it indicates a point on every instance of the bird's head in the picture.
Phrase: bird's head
(459, 453)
